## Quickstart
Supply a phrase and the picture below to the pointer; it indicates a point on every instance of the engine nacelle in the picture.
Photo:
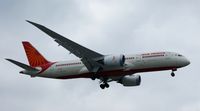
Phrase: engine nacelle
(133, 80)
(114, 60)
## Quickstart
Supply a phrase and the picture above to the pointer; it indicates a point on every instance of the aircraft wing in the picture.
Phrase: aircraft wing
(88, 57)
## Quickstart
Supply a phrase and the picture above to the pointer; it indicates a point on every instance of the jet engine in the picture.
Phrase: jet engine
(133, 80)
(114, 60)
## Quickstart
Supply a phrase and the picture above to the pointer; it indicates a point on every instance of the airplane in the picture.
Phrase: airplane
(107, 68)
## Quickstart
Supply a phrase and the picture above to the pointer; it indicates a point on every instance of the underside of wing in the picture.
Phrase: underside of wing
(88, 57)
(76, 49)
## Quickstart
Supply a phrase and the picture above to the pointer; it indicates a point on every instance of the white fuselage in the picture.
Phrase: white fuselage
(133, 64)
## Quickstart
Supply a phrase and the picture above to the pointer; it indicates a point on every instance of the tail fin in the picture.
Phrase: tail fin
(34, 57)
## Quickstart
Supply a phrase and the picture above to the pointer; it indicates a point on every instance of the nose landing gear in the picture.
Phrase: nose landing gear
(173, 74)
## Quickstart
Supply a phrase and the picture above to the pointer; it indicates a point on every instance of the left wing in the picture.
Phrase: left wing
(88, 57)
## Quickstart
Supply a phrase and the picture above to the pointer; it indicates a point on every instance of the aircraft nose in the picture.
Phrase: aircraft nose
(186, 62)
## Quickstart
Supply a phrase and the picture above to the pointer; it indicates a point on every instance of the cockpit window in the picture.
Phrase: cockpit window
(179, 55)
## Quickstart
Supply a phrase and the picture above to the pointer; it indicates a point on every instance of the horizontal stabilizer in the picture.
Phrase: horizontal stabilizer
(24, 66)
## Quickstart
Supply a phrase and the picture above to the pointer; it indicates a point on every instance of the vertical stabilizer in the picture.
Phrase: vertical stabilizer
(34, 57)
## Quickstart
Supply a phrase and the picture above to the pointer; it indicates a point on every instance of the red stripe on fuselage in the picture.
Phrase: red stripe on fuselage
(116, 73)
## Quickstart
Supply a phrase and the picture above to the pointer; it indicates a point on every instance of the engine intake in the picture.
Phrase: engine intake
(133, 80)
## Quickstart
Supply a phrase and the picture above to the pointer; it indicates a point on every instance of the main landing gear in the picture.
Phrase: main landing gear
(173, 74)
(93, 77)
(103, 83)
(96, 73)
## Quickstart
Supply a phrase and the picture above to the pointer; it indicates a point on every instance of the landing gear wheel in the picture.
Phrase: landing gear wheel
(103, 83)
(102, 86)
(172, 74)
(96, 73)
(107, 85)
(93, 78)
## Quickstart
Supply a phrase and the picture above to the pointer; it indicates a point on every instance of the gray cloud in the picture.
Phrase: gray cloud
(107, 27)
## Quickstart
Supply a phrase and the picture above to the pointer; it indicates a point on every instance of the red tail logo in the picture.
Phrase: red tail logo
(34, 57)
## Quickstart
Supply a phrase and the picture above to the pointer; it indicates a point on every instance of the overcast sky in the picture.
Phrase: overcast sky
(108, 27)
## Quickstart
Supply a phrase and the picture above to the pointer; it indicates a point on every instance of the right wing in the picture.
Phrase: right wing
(88, 57)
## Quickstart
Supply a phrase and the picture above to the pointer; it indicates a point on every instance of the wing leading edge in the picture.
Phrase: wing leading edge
(88, 57)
